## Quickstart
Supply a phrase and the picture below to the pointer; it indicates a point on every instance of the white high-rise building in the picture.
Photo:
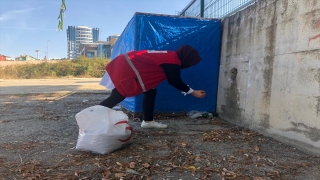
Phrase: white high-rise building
(77, 35)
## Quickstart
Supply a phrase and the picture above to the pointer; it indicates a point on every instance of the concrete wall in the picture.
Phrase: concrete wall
(269, 77)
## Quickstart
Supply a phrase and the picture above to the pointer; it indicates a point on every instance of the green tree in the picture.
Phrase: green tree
(63, 9)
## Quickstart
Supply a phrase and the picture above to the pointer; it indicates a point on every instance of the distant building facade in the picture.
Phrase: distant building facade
(77, 35)
(10, 58)
(3, 57)
(88, 50)
(101, 49)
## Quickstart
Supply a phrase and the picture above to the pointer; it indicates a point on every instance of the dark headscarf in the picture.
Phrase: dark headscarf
(188, 56)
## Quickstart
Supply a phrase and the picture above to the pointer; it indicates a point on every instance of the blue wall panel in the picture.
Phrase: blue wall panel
(160, 32)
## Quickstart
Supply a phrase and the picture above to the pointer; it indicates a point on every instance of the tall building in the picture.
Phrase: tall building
(77, 35)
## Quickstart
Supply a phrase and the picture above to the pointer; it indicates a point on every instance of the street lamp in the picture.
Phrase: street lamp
(47, 57)
(37, 53)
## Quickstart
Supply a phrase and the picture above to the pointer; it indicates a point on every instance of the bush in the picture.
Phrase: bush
(82, 67)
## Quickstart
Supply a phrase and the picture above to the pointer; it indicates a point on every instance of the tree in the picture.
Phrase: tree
(63, 9)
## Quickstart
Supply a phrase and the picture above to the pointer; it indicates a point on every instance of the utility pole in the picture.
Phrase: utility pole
(202, 8)
(37, 53)
(47, 57)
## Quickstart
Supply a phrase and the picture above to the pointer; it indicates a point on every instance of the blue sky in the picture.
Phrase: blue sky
(25, 25)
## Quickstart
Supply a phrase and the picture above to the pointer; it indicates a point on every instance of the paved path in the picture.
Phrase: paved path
(26, 86)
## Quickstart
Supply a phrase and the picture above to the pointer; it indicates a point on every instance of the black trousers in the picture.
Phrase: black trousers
(148, 102)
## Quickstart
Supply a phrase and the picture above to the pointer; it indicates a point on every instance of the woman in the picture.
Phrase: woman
(137, 72)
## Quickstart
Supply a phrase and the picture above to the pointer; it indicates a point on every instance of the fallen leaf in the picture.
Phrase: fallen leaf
(97, 164)
(77, 172)
(208, 163)
(172, 164)
(132, 164)
(38, 176)
(216, 170)
(260, 164)
(131, 171)
(183, 144)
(118, 163)
(197, 159)
(120, 175)
(256, 148)
(258, 158)
(228, 172)
(146, 165)
(192, 168)
(106, 173)
(168, 169)
(26, 175)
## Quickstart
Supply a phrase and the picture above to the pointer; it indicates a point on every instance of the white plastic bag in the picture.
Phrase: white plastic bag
(195, 114)
(102, 130)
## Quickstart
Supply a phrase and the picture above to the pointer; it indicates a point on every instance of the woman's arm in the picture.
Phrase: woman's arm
(172, 72)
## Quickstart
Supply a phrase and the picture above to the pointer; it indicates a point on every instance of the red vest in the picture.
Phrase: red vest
(140, 71)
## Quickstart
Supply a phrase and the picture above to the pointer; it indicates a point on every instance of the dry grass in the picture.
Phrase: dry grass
(82, 67)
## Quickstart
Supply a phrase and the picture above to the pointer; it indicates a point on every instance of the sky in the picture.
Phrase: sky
(30, 25)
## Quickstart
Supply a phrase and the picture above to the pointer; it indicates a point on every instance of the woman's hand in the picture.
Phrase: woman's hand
(199, 93)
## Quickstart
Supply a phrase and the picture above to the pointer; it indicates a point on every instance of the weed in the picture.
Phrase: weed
(81, 67)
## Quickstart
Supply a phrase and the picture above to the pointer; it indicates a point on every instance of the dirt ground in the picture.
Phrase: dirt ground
(39, 134)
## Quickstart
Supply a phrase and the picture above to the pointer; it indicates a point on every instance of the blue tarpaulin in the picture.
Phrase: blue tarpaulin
(161, 32)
